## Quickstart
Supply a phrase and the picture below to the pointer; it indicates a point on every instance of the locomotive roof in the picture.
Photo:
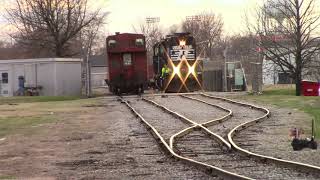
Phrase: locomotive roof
(169, 37)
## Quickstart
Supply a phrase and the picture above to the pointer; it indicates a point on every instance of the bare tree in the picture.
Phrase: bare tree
(152, 32)
(52, 24)
(207, 30)
(174, 28)
(12, 51)
(287, 34)
(88, 36)
(3, 44)
(242, 47)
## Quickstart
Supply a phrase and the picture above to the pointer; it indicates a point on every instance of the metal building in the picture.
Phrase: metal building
(49, 76)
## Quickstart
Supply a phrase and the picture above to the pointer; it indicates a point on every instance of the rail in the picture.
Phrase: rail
(219, 171)
(247, 124)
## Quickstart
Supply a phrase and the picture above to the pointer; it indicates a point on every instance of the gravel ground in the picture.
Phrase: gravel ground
(97, 142)
(198, 146)
(166, 124)
(241, 114)
(108, 142)
(196, 111)
(271, 137)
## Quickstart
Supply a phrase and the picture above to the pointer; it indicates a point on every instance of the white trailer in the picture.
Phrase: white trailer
(54, 76)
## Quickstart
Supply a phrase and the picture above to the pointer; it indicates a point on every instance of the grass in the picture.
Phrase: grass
(20, 114)
(7, 177)
(30, 99)
(12, 125)
(284, 96)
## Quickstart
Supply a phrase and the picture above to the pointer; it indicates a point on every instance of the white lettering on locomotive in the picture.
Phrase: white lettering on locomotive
(177, 55)
(180, 52)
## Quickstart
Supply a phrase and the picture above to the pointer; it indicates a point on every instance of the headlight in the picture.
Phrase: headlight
(182, 42)
(191, 70)
(176, 70)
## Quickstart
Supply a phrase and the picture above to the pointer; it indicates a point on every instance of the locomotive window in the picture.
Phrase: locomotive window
(127, 60)
(112, 43)
(139, 42)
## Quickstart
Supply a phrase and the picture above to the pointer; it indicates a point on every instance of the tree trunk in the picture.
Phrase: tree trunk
(58, 50)
(298, 83)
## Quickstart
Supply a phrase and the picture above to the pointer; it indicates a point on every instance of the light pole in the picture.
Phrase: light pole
(152, 20)
(193, 18)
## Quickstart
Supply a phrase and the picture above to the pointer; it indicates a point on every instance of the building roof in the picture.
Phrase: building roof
(40, 60)
(98, 60)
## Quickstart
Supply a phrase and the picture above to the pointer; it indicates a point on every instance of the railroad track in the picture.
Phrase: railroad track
(161, 135)
(235, 131)
(194, 143)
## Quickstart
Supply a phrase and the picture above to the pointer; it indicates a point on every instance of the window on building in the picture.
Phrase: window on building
(5, 78)
(127, 60)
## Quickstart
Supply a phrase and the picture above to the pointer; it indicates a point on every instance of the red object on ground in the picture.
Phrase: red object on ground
(310, 88)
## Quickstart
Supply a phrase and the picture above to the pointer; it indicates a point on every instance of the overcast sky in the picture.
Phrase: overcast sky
(126, 13)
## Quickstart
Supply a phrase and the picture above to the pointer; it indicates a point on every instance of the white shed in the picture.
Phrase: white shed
(55, 76)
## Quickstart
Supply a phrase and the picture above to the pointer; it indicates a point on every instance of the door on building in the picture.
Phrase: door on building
(4, 83)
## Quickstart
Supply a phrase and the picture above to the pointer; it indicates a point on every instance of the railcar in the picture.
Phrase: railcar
(127, 63)
(178, 52)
